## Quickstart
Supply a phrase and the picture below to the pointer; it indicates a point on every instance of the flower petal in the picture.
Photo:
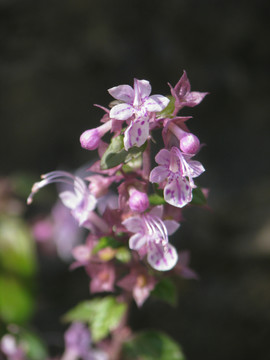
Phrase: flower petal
(122, 92)
(194, 98)
(178, 192)
(137, 133)
(158, 174)
(163, 157)
(160, 258)
(171, 226)
(195, 168)
(137, 241)
(143, 87)
(134, 224)
(121, 112)
(156, 103)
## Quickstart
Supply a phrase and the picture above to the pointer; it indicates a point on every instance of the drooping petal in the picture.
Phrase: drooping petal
(178, 192)
(159, 174)
(162, 258)
(137, 241)
(122, 92)
(156, 103)
(163, 157)
(69, 199)
(137, 133)
(121, 112)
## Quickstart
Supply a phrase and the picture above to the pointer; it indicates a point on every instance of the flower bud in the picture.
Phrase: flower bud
(138, 201)
(90, 139)
(190, 144)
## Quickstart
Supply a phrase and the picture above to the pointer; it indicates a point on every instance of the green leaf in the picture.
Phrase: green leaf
(198, 197)
(16, 301)
(116, 153)
(106, 241)
(35, 348)
(102, 314)
(166, 290)
(152, 345)
(17, 252)
(168, 111)
(156, 199)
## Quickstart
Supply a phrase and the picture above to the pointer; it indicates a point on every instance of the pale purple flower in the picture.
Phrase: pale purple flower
(80, 201)
(138, 201)
(151, 238)
(177, 170)
(136, 105)
(11, 349)
(183, 96)
(78, 344)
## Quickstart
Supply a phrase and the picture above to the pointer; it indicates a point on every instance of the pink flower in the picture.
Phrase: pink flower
(151, 238)
(139, 282)
(80, 201)
(177, 170)
(182, 267)
(90, 139)
(138, 105)
(138, 201)
(103, 277)
(186, 141)
(183, 96)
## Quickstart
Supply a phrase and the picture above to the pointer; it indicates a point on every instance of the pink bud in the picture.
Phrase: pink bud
(90, 139)
(190, 144)
(138, 201)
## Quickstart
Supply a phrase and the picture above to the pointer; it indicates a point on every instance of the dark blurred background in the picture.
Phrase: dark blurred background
(59, 57)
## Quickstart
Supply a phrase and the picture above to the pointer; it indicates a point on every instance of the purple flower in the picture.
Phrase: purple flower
(151, 238)
(80, 201)
(177, 170)
(183, 96)
(138, 105)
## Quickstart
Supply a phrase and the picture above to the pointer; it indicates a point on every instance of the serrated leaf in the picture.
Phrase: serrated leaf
(168, 111)
(106, 241)
(149, 345)
(166, 290)
(102, 314)
(156, 199)
(198, 197)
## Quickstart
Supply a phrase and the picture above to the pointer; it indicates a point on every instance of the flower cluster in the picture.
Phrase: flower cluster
(129, 229)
